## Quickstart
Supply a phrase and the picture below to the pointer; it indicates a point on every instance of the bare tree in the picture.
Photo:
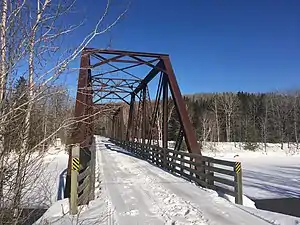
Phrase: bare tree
(35, 37)
(295, 116)
(2, 87)
(228, 101)
(215, 110)
(207, 125)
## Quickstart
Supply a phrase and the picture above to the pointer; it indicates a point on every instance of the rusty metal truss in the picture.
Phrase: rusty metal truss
(138, 110)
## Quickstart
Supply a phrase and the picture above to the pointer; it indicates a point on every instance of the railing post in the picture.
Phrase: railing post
(165, 159)
(181, 163)
(191, 167)
(74, 182)
(92, 171)
(238, 183)
(211, 173)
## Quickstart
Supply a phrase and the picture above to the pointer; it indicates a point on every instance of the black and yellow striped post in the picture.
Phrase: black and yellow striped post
(74, 180)
(75, 164)
(238, 183)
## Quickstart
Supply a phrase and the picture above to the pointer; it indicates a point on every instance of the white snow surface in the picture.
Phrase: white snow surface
(270, 173)
(43, 178)
(132, 191)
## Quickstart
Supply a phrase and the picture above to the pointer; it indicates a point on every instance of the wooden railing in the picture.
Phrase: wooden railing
(82, 179)
(220, 175)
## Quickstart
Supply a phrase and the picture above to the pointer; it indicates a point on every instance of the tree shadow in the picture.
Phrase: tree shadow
(275, 183)
(114, 147)
(289, 206)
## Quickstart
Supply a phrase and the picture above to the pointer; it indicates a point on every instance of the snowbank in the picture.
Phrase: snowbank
(233, 150)
(58, 214)
(136, 192)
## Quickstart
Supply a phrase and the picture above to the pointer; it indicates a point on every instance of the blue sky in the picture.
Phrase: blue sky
(214, 45)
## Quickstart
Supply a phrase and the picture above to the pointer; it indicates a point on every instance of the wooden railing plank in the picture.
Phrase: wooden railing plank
(200, 169)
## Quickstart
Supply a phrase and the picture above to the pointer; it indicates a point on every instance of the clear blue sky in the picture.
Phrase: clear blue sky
(215, 45)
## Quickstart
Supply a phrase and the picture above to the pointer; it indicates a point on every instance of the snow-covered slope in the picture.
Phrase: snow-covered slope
(42, 178)
(271, 177)
(231, 149)
(270, 173)
(136, 192)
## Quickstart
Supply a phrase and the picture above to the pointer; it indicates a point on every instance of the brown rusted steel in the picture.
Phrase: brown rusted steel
(144, 116)
(82, 132)
(188, 130)
(155, 110)
(124, 53)
(130, 118)
(105, 89)
(82, 99)
(165, 111)
(149, 77)
(124, 68)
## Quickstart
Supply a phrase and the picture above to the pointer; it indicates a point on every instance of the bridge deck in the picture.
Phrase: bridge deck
(141, 193)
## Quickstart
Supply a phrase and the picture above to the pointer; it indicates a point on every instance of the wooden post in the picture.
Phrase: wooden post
(92, 171)
(74, 182)
(238, 183)
(165, 159)
(181, 163)
(191, 167)
(211, 174)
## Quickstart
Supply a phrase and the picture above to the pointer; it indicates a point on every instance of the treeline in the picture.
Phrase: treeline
(50, 112)
(245, 117)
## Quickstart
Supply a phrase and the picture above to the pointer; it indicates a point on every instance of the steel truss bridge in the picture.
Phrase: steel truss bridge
(133, 96)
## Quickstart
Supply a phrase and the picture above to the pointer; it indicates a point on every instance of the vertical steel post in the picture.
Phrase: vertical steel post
(165, 111)
(130, 119)
(144, 119)
(114, 126)
(79, 133)
(121, 124)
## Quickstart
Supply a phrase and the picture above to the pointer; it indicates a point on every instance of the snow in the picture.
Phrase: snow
(246, 201)
(43, 178)
(132, 191)
(58, 214)
(273, 173)
(232, 149)
(271, 178)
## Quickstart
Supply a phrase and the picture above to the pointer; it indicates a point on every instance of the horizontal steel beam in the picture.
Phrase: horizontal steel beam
(116, 79)
(118, 52)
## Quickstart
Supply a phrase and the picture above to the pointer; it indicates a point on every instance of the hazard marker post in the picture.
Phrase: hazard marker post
(238, 183)
(74, 180)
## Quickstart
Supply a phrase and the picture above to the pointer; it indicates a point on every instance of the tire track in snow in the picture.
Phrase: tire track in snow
(100, 190)
(168, 205)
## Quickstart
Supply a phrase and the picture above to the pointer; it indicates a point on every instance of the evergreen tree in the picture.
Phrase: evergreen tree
(15, 120)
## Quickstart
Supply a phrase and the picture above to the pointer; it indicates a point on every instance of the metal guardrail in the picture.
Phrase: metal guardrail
(82, 180)
(220, 175)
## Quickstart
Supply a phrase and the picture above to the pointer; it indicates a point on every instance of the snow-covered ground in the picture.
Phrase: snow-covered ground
(272, 177)
(231, 149)
(43, 178)
(273, 173)
(132, 191)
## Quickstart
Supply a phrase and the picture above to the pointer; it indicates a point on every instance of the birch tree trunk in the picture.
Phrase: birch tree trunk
(24, 146)
(228, 101)
(295, 119)
(3, 72)
(217, 118)
(3, 75)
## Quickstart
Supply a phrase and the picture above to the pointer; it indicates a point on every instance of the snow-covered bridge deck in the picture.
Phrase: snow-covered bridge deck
(140, 193)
